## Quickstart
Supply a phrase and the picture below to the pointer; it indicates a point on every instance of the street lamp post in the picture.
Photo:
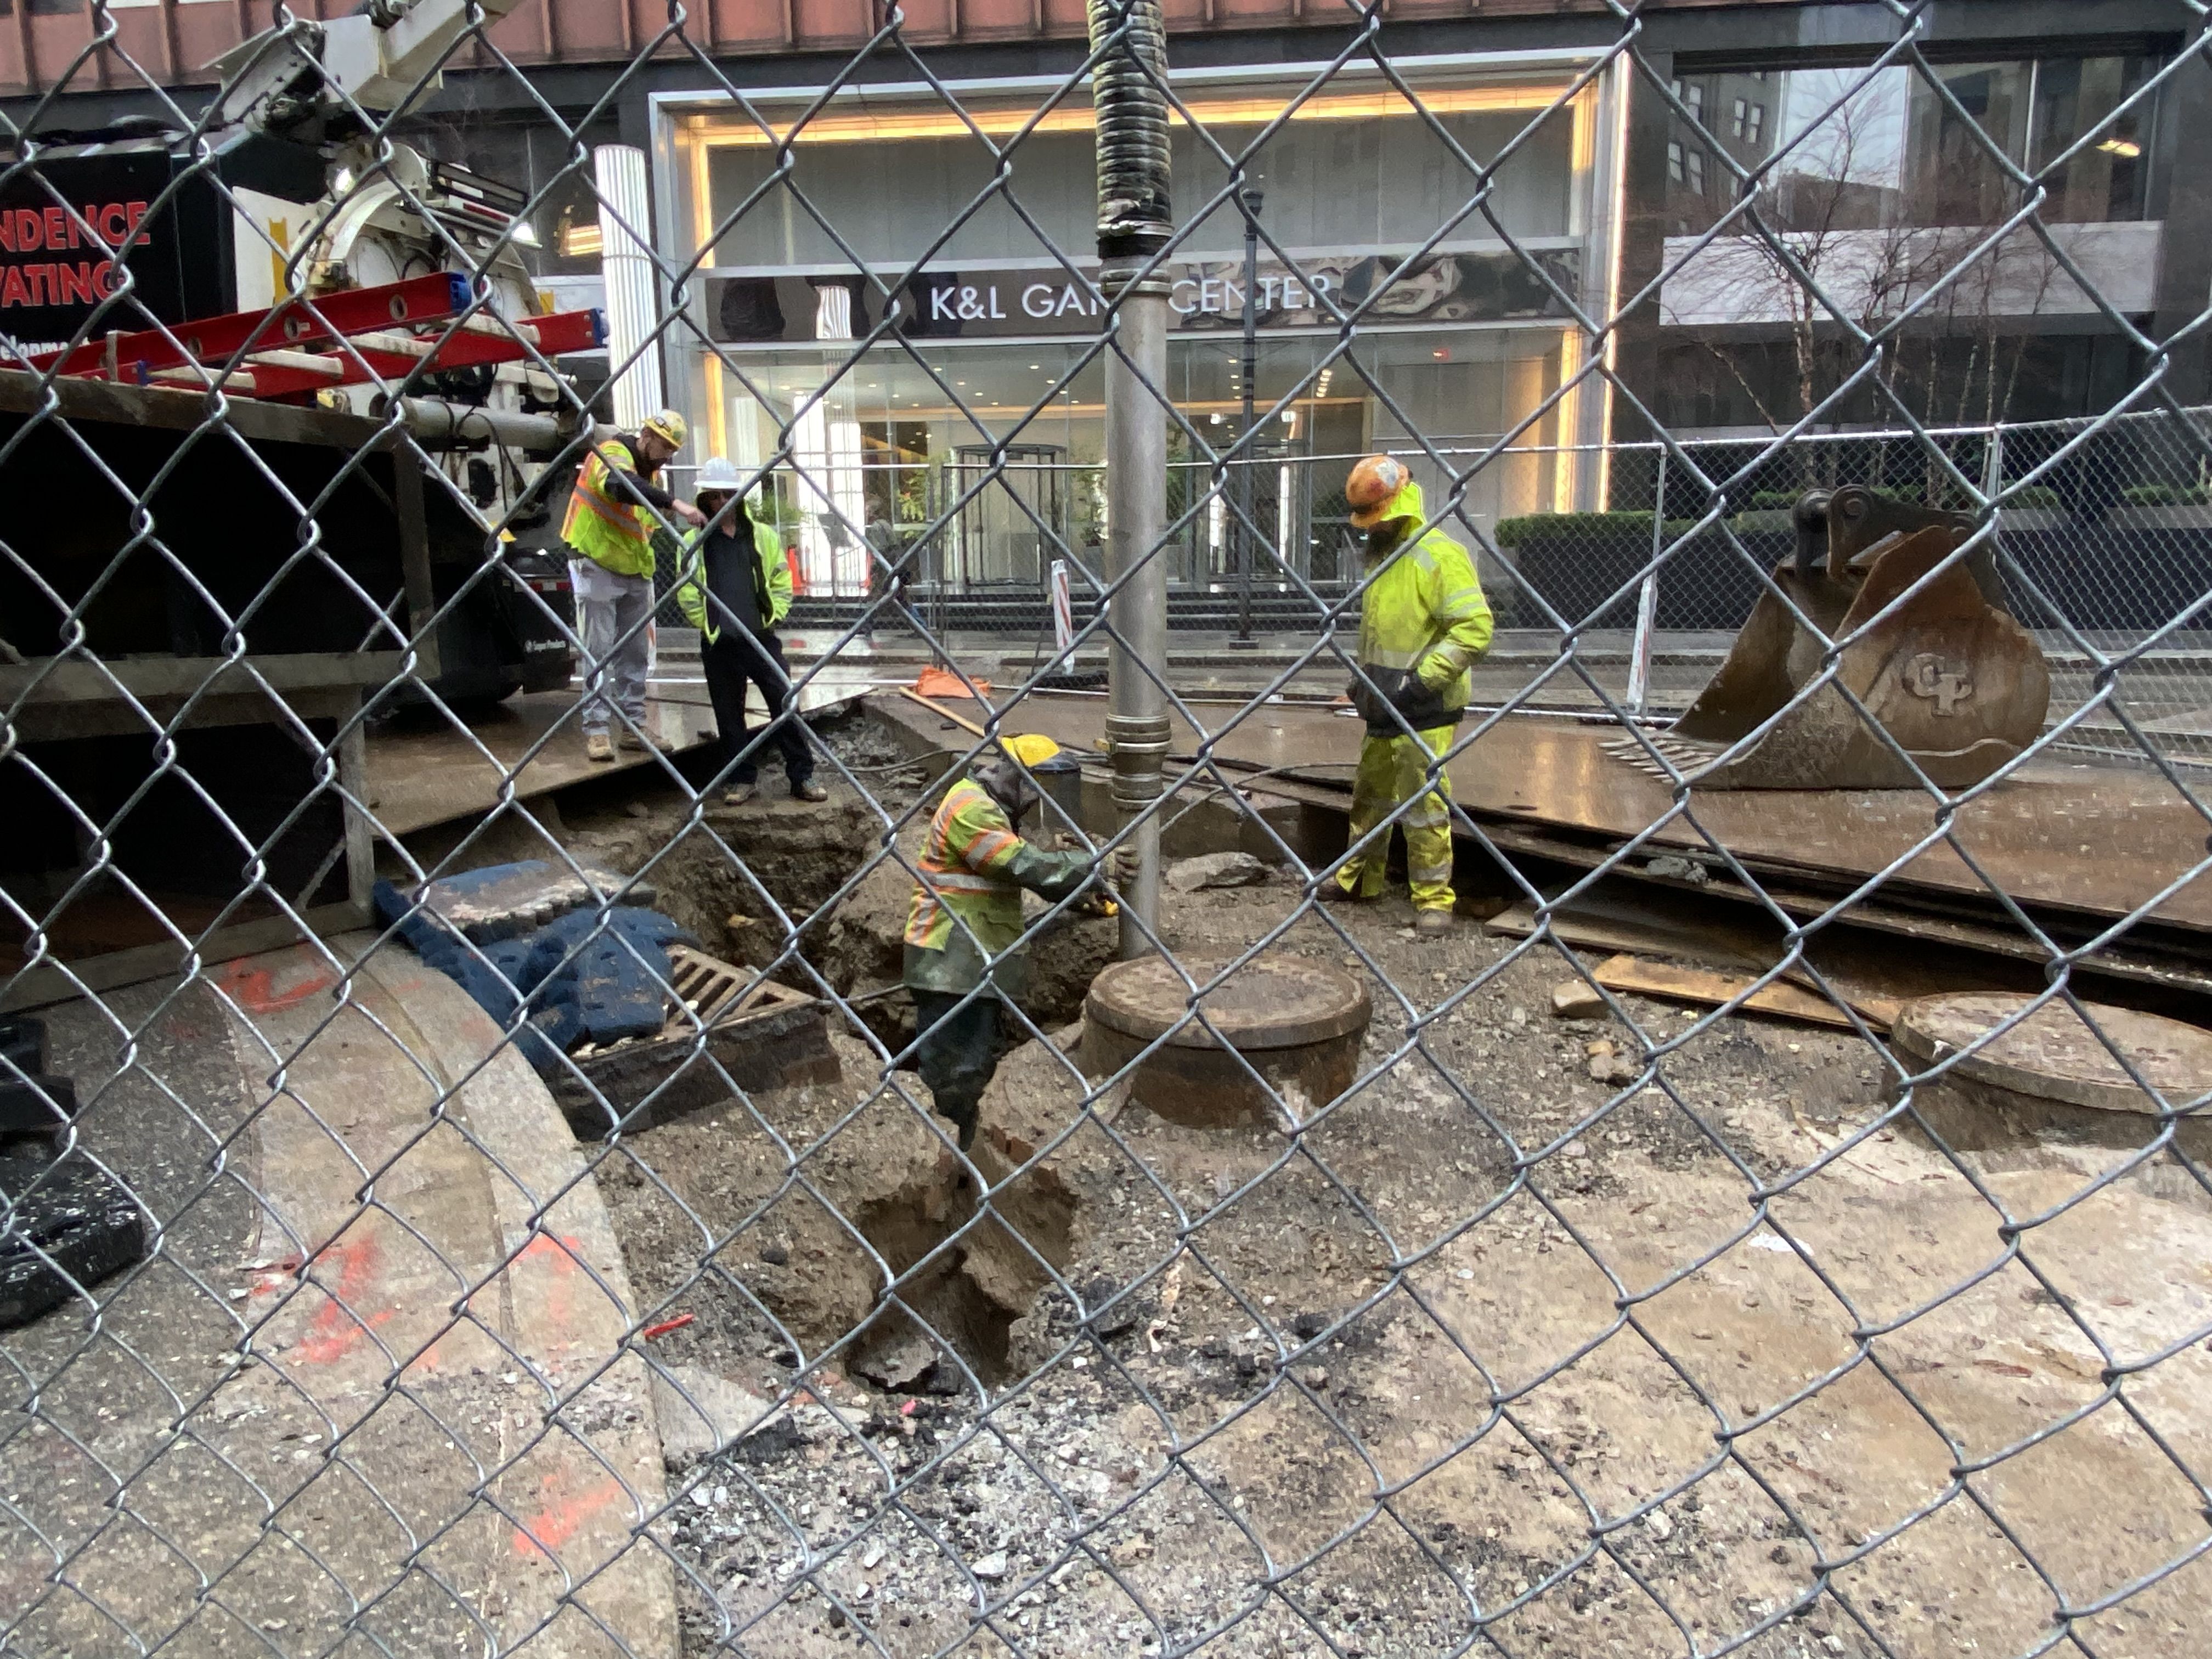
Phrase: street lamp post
(1248, 200)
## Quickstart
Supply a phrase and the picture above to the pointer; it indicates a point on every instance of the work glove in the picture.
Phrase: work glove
(1397, 690)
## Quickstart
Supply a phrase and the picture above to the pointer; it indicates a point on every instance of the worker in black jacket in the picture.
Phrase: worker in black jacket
(735, 592)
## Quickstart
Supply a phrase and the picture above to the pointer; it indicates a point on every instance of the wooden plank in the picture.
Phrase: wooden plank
(941, 711)
(1701, 986)
(1997, 937)
(359, 825)
(81, 400)
(1589, 925)
(51, 722)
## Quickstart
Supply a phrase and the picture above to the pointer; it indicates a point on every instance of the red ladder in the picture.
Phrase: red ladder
(347, 337)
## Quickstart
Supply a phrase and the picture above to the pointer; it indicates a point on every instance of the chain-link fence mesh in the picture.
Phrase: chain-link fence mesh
(1776, 1227)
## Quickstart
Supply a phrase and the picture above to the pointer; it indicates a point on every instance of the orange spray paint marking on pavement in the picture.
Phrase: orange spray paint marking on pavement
(560, 1255)
(336, 1331)
(562, 1513)
(254, 989)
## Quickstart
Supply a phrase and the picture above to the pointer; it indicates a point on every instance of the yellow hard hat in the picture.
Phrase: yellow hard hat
(1374, 484)
(1032, 748)
(669, 427)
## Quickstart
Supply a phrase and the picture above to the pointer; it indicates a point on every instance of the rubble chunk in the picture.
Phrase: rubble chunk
(698, 1412)
(1575, 999)
(1216, 870)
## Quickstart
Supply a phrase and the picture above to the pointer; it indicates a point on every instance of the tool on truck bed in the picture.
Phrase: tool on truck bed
(1945, 671)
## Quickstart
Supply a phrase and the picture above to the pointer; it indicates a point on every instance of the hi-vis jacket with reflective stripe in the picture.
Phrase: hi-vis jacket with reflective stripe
(604, 524)
(770, 574)
(1424, 618)
(977, 867)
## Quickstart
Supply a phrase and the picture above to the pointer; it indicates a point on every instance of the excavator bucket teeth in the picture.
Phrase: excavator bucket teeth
(1942, 673)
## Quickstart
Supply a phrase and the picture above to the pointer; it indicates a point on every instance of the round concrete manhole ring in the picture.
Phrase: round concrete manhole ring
(2052, 1055)
(1296, 1021)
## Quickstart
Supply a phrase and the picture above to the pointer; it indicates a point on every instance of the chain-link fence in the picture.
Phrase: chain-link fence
(486, 1172)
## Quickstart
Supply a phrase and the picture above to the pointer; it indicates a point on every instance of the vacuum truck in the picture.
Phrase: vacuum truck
(288, 192)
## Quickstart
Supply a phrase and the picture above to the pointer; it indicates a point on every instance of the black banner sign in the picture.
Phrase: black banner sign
(1205, 296)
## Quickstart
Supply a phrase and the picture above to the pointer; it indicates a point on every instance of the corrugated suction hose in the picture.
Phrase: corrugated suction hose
(1134, 215)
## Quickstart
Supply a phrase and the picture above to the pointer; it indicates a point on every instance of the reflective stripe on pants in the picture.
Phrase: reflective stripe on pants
(1391, 771)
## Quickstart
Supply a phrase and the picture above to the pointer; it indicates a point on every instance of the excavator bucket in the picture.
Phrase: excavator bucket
(1947, 673)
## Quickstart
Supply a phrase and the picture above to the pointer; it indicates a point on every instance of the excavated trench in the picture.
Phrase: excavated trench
(868, 1219)
(1247, 1304)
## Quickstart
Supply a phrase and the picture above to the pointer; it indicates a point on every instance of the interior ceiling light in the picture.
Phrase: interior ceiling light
(726, 133)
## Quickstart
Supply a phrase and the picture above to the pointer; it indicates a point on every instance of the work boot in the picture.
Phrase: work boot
(809, 791)
(740, 795)
(597, 748)
(630, 740)
(1333, 892)
(1433, 923)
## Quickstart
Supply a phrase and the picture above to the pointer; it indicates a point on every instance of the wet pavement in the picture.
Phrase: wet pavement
(2092, 839)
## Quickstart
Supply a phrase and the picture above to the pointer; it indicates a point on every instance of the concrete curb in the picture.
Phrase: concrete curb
(403, 1219)
(603, 1482)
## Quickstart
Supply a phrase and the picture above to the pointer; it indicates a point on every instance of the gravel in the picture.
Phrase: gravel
(1478, 1349)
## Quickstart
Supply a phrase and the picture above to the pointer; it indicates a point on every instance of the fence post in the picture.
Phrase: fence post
(1647, 599)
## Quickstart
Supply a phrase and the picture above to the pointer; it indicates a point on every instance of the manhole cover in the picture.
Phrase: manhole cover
(1293, 1029)
(2053, 1055)
(1273, 1002)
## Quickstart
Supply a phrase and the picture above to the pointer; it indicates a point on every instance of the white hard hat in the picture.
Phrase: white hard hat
(716, 476)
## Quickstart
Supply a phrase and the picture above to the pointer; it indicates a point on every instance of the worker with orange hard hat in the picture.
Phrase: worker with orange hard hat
(1422, 623)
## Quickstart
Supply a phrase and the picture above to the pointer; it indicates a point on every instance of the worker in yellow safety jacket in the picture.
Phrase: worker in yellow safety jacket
(735, 591)
(613, 512)
(966, 918)
(1422, 623)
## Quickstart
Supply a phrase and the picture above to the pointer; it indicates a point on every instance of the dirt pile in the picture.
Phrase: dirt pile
(775, 862)
(781, 1222)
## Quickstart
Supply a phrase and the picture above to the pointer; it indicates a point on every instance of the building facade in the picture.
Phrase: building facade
(986, 318)
(900, 296)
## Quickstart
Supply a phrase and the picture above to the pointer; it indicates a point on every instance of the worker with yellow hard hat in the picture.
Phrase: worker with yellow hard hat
(965, 919)
(1423, 623)
(613, 512)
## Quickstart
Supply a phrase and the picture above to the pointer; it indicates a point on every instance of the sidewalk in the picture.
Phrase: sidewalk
(373, 1383)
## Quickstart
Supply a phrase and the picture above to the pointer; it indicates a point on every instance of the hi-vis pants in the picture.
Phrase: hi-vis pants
(1391, 771)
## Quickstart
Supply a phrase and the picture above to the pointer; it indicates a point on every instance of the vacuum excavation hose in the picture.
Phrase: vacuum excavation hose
(1128, 87)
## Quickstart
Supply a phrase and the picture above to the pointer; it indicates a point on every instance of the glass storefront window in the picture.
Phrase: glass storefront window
(886, 449)
(981, 409)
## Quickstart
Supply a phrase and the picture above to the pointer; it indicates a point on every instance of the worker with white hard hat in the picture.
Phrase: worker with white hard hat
(612, 514)
(735, 591)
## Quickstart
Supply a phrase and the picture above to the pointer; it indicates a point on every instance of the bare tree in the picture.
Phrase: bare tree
(1847, 248)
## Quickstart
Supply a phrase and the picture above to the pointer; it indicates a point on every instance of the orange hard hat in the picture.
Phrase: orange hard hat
(1374, 484)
